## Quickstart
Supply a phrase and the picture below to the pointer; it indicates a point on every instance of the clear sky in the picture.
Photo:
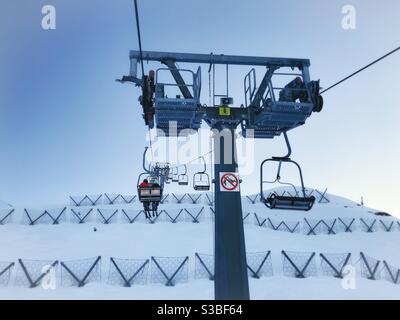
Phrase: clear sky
(67, 128)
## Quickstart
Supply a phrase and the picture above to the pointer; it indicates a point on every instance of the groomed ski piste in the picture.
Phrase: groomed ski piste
(291, 255)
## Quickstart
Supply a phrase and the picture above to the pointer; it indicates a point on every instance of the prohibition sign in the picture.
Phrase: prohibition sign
(229, 181)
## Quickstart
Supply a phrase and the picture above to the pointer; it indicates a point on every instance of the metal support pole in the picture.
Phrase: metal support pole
(231, 280)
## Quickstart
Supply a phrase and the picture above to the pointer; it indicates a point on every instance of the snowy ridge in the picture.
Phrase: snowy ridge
(141, 240)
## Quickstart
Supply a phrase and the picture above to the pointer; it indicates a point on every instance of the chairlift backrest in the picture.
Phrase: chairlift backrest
(275, 201)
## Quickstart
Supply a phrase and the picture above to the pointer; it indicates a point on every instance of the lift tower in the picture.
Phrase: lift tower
(267, 112)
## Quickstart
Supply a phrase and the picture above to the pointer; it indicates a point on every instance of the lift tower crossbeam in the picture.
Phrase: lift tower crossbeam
(219, 59)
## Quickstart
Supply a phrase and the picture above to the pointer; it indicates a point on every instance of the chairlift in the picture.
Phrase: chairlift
(276, 201)
(164, 169)
(153, 193)
(175, 175)
(201, 180)
(183, 179)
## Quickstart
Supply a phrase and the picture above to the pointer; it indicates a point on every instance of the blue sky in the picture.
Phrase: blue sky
(67, 128)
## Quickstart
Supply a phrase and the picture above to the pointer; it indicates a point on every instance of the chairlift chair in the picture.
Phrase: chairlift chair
(274, 200)
(183, 178)
(163, 170)
(149, 194)
(174, 175)
(201, 180)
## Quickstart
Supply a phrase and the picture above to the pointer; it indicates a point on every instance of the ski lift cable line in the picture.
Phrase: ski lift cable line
(360, 70)
(193, 160)
(138, 35)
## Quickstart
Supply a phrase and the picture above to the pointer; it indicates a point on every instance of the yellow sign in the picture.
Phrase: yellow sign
(224, 111)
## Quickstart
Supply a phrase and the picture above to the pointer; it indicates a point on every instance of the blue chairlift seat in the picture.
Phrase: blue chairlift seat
(275, 201)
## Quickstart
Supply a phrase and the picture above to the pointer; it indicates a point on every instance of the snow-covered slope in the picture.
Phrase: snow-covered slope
(142, 240)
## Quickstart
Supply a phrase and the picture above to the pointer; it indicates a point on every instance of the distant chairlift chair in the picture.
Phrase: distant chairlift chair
(276, 201)
(163, 171)
(183, 178)
(175, 175)
(201, 180)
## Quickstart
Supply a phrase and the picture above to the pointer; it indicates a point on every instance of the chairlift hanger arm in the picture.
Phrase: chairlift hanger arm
(289, 148)
(185, 169)
(147, 170)
(205, 165)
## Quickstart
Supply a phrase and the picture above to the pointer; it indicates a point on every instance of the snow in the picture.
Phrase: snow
(4, 205)
(275, 288)
(141, 240)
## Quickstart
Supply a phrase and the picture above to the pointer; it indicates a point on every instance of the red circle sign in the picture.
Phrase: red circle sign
(229, 181)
